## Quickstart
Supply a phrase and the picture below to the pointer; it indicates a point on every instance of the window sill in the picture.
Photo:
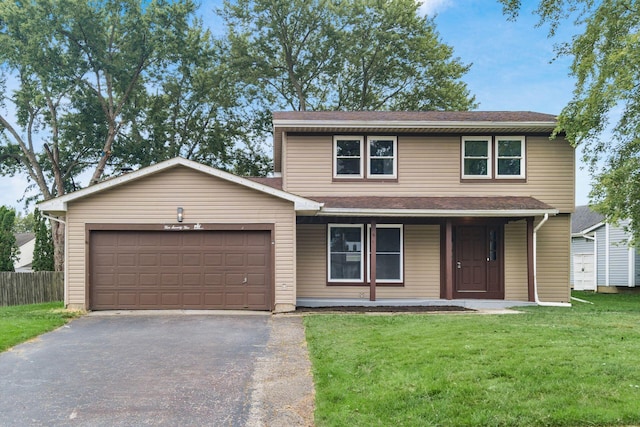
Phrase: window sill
(360, 180)
(493, 180)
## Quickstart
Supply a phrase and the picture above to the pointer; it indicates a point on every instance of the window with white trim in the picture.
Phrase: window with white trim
(389, 257)
(382, 159)
(497, 157)
(346, 258)
(476, 157)
(348, 156)
(510, 157)
(345, 244)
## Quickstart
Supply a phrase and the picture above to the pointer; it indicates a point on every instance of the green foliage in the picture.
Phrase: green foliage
(8, 245)
(23, 322)
(347, 55)
(605, 56)
(43, 250)
(546, 367)
(24, 223)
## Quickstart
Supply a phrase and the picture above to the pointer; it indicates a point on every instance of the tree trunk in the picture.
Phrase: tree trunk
(57, 233)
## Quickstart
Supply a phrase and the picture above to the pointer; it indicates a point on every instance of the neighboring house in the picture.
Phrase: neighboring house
(454, 207)
(601, 258)
(26, 244)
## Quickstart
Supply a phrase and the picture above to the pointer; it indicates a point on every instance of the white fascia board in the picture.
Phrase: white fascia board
(59, 204)
(590, 229)
(407, 124)
(435, 212)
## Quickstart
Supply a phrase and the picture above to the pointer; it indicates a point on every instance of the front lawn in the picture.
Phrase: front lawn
(22, 322)
(545, 367)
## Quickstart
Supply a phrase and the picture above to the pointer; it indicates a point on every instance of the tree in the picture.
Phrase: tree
(606, 58)
(343, 55)
(43, 250)
(8, 246)
(24, 223)
(92, 81)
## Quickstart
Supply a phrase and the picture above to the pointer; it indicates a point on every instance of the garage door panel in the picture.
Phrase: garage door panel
(155, 270)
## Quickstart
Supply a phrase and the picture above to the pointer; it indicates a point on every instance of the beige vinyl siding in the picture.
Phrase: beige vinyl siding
(553, 248)
(516, 284)
(430, 166)
(205, 199)
(421, 268)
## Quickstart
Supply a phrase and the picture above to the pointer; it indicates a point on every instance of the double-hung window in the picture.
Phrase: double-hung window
(388, 253)
(476, 157)
(377, 159)
(345, 253)
(348, 156)
(510, 157)
(382, 159)
(497, 157)
(347, 245)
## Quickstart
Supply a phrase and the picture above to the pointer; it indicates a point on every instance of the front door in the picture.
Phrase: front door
(478, 262)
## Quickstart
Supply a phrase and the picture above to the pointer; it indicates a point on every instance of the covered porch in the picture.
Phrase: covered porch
(399, 251)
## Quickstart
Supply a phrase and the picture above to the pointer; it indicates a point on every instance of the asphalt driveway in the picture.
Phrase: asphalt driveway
(160, 369)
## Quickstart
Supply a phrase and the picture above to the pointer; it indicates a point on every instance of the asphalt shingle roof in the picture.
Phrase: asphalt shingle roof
(584, 218)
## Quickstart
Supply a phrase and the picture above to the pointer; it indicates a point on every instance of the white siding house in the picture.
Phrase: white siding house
(601, 257)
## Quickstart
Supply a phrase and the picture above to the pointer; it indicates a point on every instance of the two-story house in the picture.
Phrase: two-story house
(364, 207)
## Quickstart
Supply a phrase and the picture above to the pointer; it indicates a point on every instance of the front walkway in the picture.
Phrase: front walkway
(472, 304)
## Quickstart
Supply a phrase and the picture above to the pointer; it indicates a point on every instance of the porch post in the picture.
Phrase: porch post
(372, 262)
(448, 259)
(530, 255)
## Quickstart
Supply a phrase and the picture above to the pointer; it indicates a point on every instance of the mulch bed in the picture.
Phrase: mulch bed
(383, 309)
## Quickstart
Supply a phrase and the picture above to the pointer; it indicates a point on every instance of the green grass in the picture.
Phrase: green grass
(23, 322)
(545, 367)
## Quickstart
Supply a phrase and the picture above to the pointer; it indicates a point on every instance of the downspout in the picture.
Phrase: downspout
(66, 264)
(595, 259)
(535, 269)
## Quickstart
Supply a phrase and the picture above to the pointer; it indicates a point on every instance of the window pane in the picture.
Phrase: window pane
(348, 148)
(475, 167)
(509, 148)
(346, 239)
(348, 166)
(388, 267)
(476, 148)
(381, 166)
(381, 148)
(345, 266)
(509, 167)
(388, 240)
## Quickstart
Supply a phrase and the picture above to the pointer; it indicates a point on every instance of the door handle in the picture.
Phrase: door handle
(244, 281)
(458, 264)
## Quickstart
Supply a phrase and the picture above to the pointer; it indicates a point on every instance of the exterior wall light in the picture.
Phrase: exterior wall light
(180, 214)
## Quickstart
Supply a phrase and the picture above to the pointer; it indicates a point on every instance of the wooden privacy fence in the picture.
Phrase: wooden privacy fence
(31, 288)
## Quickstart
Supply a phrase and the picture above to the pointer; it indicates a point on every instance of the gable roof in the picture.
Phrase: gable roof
(22, 238)
(418, 122)
(584, 219)
(59, 204)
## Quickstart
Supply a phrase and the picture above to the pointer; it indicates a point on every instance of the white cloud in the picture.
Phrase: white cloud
(431, 7)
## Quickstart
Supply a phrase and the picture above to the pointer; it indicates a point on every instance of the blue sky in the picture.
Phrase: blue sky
(513, 65)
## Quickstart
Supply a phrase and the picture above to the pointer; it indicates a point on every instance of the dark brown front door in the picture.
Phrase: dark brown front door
(478, 262)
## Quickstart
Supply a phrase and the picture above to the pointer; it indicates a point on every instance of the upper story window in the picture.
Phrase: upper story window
(510, 157)
(476, 157)
(379, 155)
(382, 156)
(348, 156)
(500, 157)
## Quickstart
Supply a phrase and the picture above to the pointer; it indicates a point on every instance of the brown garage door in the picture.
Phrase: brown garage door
(190, 270)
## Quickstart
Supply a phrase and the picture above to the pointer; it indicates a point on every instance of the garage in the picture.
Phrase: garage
(194, 269)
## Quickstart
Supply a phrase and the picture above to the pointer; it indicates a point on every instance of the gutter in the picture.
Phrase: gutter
(535, 269)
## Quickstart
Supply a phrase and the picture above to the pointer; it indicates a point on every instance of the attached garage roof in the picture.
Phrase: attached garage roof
(504, 206)
(59, 204)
